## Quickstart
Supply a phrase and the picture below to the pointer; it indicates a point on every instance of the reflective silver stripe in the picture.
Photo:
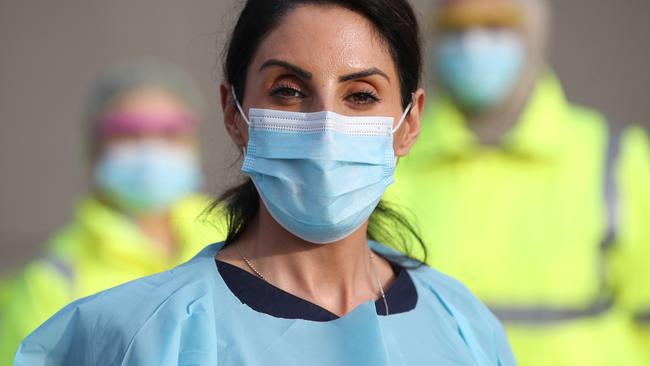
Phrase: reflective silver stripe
(539, 316)
(610, 190)
(62, 267)
(643, 318)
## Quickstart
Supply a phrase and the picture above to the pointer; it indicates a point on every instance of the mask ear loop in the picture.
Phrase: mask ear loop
(241, 111)
(406, 112)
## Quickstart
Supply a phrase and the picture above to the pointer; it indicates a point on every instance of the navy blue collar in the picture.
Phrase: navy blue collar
(263, 297)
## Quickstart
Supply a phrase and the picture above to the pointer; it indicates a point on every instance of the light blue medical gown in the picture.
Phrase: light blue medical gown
(188, 316)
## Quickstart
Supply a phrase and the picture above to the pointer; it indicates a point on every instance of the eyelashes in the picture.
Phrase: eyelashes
(287, 92)
(364, 97)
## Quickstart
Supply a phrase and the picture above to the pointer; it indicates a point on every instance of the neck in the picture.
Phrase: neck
(157, 227)
(491, 127)
(337, 276)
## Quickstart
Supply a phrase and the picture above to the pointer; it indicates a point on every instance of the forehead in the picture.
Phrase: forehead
(326, 39)
(147, 99)
(453, 14)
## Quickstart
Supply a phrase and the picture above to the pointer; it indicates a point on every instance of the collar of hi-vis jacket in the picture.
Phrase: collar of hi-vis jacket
(115, 237)
(540, 133)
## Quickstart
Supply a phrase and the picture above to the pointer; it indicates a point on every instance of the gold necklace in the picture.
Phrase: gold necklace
(372, 257)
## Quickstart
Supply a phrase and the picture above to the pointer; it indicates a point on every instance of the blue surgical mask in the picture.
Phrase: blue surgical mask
(320, 175)
(480, 67)
(147, 176)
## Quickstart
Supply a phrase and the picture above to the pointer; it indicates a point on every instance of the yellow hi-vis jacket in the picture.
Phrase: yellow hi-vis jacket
(630, 264)
(526, 225)
(98, 250)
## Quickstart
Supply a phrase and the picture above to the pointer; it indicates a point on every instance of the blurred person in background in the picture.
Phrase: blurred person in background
(142, 215)
(516, 192)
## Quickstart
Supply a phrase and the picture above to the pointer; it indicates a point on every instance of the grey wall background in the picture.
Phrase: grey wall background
(51, 50)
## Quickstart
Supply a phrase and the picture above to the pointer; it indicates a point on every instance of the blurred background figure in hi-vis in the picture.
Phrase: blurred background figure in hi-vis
(143, 214)
(535, 203)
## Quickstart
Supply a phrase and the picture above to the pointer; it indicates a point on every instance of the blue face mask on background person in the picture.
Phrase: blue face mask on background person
(320, 175)
(147, 176)
(480, 67)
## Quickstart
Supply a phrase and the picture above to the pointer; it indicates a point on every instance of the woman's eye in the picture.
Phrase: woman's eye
(287, 92)
(365, 97)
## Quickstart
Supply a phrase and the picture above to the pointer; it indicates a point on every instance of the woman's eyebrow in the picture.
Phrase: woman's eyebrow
(362, 74)
(289, 66)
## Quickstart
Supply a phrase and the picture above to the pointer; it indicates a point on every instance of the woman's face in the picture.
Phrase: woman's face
(324, 58)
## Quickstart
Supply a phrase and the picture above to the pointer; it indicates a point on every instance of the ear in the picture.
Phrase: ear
(232, 120)
(408, 133)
